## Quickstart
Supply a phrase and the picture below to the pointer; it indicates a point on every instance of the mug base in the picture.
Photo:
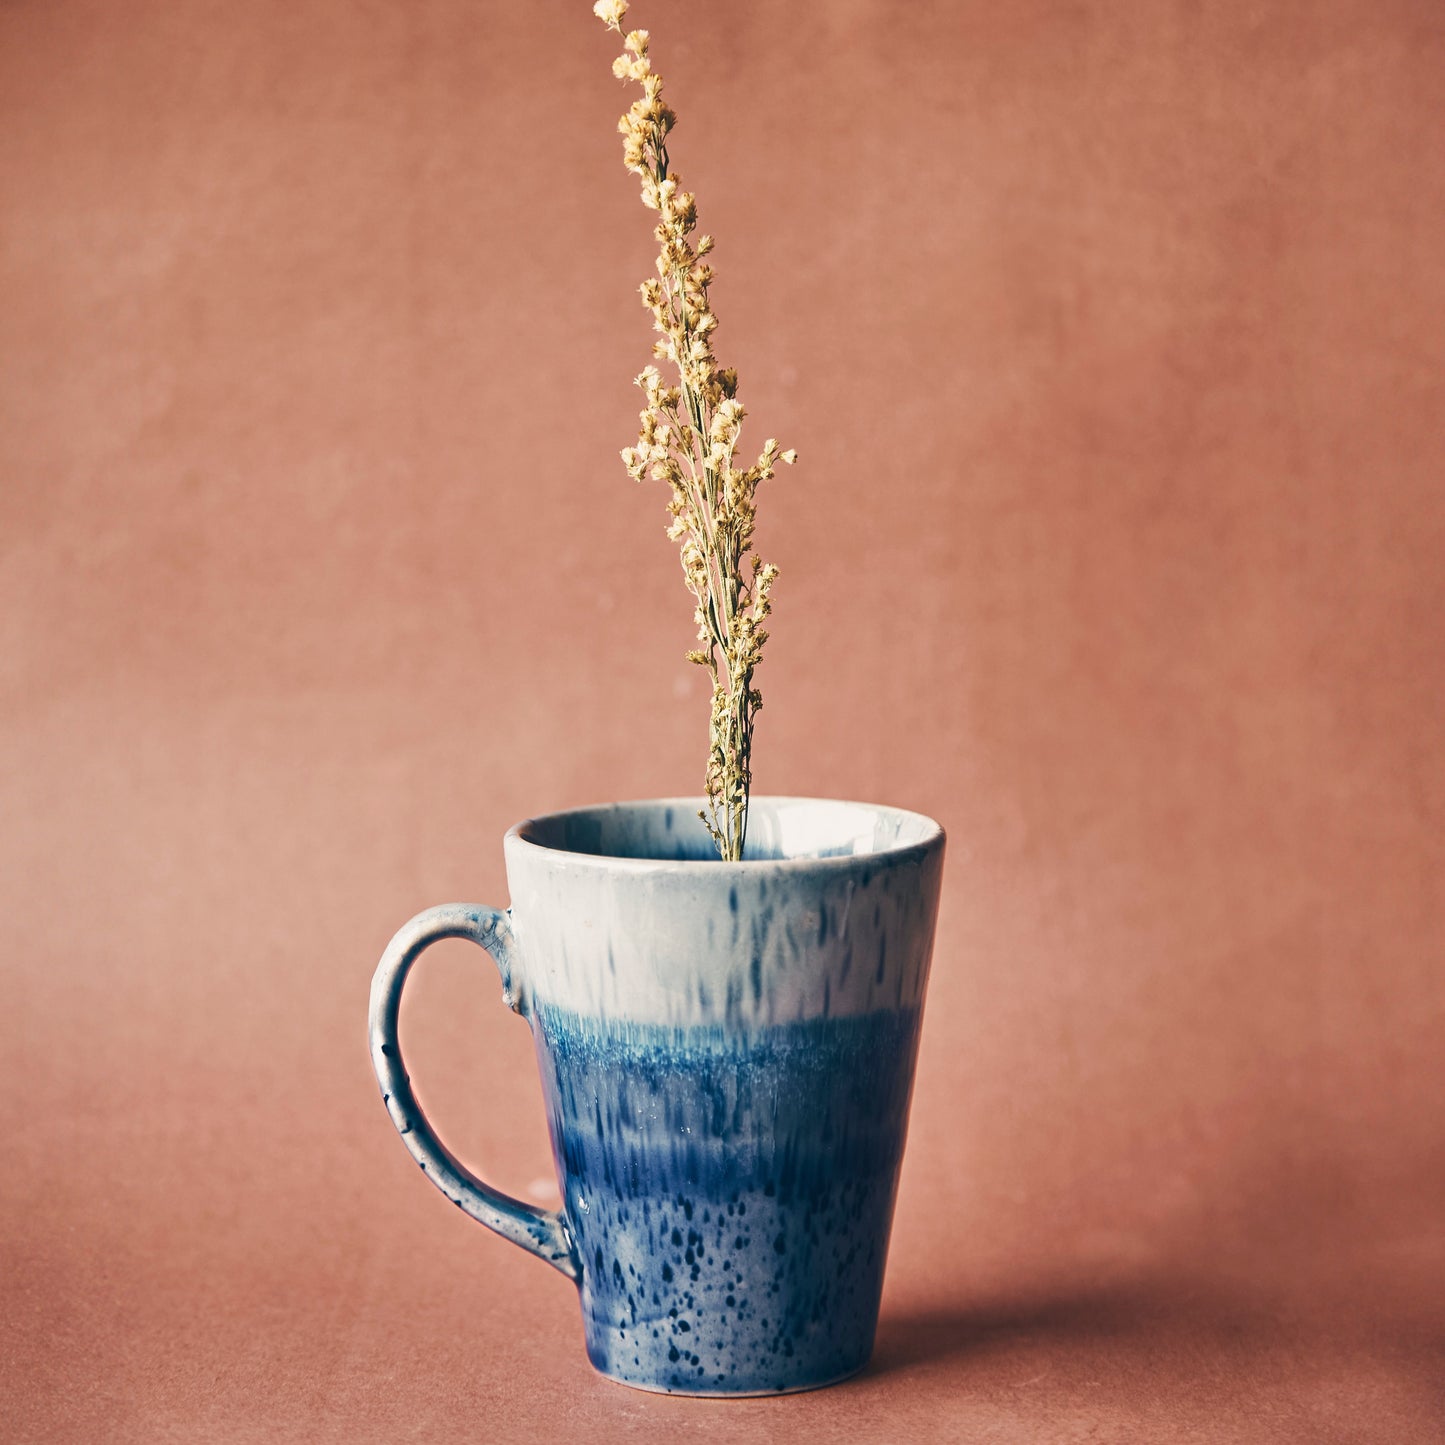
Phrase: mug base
(722, 1392)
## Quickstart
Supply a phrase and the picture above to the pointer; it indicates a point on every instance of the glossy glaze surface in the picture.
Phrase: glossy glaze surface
(729, 1192)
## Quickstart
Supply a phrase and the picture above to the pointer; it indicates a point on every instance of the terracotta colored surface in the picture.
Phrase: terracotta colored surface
(1111, 339)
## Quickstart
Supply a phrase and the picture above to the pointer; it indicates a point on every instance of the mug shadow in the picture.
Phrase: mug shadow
(1182, 1335)
(1297, 1257)
(930, 1336)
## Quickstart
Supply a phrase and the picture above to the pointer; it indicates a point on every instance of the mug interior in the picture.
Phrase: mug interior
(779, 829)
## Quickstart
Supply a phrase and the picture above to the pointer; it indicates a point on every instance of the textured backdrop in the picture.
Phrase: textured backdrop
(1110, 338)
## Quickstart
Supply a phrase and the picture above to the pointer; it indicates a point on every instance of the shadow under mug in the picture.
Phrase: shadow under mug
(727, 1054)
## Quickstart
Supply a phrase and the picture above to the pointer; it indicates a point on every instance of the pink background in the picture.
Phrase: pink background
(1111, 340)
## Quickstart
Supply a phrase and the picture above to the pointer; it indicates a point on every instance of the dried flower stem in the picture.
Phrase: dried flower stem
(688, 439)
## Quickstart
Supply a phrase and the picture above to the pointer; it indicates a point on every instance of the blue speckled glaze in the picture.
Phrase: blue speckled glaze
(727, 1054)
(729, 1194)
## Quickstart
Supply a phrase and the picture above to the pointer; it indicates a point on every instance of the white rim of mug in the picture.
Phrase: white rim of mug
(934, 836)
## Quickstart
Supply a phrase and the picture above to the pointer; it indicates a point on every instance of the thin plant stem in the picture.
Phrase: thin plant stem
(688, 439)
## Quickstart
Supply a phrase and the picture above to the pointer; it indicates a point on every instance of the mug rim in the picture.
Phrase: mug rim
(933, 836)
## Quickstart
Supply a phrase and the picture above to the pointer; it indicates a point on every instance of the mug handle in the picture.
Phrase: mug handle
(542, 1231)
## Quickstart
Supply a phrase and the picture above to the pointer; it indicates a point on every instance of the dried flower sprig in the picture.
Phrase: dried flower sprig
(689, 439)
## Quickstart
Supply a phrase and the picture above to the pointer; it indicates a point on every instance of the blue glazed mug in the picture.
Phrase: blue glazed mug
(727, 1055)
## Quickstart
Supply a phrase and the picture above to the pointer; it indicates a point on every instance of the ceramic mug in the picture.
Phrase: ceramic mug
(727, 1055)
